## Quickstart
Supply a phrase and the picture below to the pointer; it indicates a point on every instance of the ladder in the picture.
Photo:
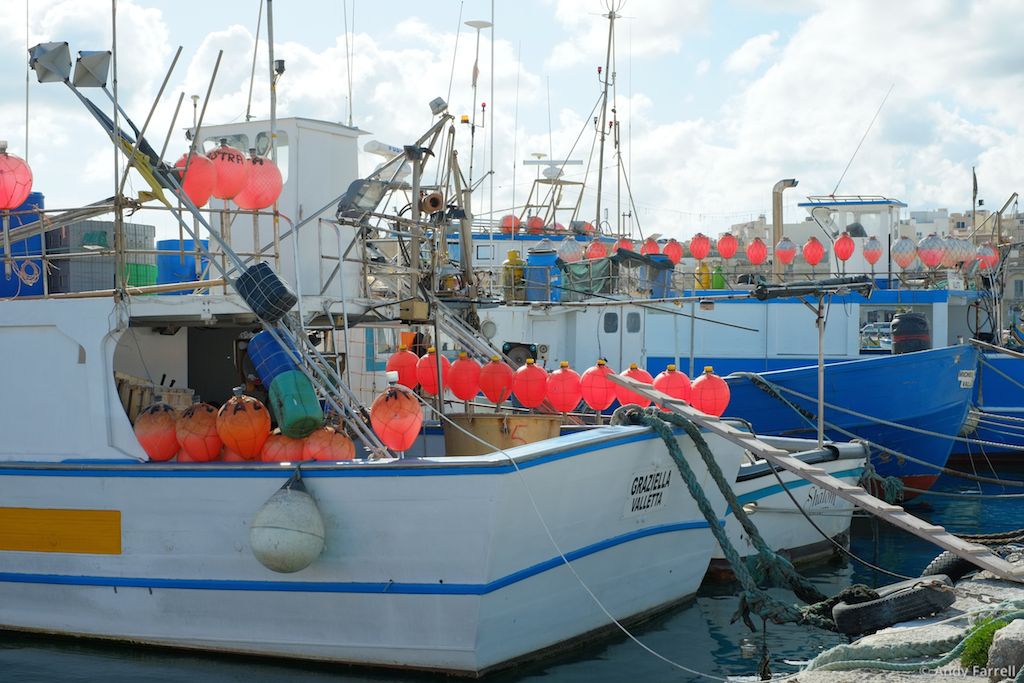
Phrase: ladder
(976, 554)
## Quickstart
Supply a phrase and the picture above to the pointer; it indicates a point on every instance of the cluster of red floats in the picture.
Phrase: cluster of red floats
(933, 251)
(252, 182)
(238, 432)
(396, 415)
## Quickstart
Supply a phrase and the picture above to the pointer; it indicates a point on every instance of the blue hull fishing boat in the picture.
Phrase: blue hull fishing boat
(911, 404)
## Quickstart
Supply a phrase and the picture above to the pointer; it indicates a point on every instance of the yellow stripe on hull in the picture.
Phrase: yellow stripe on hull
(47, 530)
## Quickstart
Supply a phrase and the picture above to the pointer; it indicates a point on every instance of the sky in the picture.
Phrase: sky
(717, 99)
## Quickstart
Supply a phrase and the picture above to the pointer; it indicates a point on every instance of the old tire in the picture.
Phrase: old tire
(896, 602)
(948, 564)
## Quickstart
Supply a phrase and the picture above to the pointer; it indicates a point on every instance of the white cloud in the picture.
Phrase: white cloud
(657, 27)
(703, 66)
(752, 54)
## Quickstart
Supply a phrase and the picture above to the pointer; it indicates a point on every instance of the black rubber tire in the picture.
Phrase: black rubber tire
(949, 565)
(897, 602)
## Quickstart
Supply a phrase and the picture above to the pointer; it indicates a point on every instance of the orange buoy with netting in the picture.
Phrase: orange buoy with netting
(196, 431)
(327, 443)
(228, 455)
(243, 424)
(155, 430)
(396, 418)
(281, 448)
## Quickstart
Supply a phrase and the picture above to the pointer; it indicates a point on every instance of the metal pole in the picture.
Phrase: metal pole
(821, 371)
(414, 154)
(604, 115)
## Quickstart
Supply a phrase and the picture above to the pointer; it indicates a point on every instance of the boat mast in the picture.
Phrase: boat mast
(604, 111)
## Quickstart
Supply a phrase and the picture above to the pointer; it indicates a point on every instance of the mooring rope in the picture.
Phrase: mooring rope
(775, 391)
(769, 563)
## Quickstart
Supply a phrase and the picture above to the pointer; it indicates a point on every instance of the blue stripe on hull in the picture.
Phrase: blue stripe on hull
(354, 586)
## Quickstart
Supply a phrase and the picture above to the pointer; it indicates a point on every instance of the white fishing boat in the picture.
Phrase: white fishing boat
(415, 559)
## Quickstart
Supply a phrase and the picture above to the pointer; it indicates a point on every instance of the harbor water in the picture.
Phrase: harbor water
(699, 634)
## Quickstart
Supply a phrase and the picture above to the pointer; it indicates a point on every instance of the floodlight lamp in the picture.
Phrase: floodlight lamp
(438, 106)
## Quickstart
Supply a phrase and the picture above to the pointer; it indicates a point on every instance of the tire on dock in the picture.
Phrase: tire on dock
(897, 602)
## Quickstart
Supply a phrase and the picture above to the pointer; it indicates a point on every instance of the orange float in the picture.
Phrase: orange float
(327, 443)
(243, 425)
(626, 396)
(196, 431)
(281, 448)
(396, 418)
(155, 430)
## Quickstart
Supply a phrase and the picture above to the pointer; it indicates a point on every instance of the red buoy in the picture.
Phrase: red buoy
(844, 247)
(649, 247)
(534, 225)
(626, 396)
(709, 393)
(232, 171)
(700, 246)
(931, 250)
(263, 186)
(155, 430)
(813, 251)
(198, 179)
(426, 371)
(464, 377)
(727, 246)
(281, 448)
(404, 363)
(785, 250)
(597, 391)
(15, 181)
(529, 384)
(196, 431)
(674, 383)
(674, 251)
(510, 224)
(872, 250)
(243, 425)
(396, 418)
(326, 443)
(757, 252)
(624, 243)
(903, 252)
(596, 249)
(496, 380)
(564, 388)
(988, 256)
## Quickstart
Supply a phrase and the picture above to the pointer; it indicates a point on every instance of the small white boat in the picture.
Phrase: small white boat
(780, 522)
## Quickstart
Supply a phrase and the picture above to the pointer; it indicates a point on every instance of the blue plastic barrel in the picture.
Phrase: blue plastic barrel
(660, 278)
(31, 268)
(269, 358)
(170, 268)
(543, 277)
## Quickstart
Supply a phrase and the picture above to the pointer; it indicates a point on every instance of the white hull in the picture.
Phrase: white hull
(779, 522)
(429, 563)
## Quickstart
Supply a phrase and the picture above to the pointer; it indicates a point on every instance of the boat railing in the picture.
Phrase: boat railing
(85, 252)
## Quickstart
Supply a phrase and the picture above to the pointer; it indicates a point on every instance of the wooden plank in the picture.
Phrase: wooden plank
(50, 530)
(894, 514)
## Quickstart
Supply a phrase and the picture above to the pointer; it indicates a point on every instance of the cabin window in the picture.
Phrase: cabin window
(632, 322)
(1018, 289)
(380, 344)
(485, 252)
(611, 323)
(239, 141)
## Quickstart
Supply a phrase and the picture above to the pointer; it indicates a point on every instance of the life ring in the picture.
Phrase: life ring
(896, 602)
